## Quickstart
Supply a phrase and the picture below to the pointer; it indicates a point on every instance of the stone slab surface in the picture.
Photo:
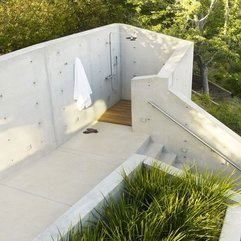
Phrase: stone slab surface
(23, 214)
(34, 196)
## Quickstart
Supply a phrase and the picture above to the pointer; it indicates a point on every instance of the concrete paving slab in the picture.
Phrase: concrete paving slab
(23, 215)
(61, 176)
(112, 140)
(37, 193)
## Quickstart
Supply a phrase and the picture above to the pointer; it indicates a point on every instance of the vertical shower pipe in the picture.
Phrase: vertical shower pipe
(111, 65)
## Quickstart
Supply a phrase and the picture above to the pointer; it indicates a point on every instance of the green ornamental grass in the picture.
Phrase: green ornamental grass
(156, 206)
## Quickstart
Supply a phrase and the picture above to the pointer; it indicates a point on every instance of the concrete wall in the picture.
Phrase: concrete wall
(147, 54)
(178, 70)
(37, 110)
(38, 113)
(148, 119)
(170, 89)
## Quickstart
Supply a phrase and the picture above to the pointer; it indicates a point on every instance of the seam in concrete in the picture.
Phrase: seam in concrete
(98, 156)
(80, 152)
(104, 158)
(51, 106)
(35, 195)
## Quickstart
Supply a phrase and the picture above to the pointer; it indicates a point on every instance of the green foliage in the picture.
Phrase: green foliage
(157, 206)
(203, 23)
(228, 113)
(217, 40)
(95, 13)
(151, 14)
(232, 81)
(24, 22)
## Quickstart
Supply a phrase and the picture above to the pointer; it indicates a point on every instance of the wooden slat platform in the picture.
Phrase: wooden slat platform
(120, 113)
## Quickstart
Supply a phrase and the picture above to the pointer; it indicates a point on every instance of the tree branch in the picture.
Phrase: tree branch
(211, 59)
(213, 2)
(226, 16)
(200, 23)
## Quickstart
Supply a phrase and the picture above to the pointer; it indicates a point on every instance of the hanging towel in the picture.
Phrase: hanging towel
(82, 90)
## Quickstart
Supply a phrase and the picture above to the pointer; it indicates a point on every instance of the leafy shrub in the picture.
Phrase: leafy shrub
(24, 22)
(95, 13)
(228, 113)
(233, 83)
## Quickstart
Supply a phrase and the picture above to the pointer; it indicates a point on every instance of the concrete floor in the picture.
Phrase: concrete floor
(33, 196)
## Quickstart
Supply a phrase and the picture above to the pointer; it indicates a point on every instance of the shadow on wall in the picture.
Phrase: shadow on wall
(143, 53)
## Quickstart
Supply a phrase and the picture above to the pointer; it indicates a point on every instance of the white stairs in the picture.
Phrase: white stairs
(159, 152)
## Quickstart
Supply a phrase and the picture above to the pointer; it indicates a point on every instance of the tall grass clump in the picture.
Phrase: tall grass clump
(156, 206)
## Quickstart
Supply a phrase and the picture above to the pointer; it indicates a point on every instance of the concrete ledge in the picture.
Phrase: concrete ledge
(112, 185)
(83, 208)
(232, 223)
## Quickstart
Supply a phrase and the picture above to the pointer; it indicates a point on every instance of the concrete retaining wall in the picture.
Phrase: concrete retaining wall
(37, 110)
(168, 96)
(90, 206)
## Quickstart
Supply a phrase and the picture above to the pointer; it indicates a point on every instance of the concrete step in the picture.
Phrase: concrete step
(157, 151)
(152, 149)
(168, 158)
(181, 165)
(141, 150)
(178, 165)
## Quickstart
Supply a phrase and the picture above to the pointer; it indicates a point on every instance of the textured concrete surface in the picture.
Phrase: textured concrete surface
(93, 200)
(38, 115)
(147, 54)
(37, 109)
(33, 196)
(232, 222)
(146, 118)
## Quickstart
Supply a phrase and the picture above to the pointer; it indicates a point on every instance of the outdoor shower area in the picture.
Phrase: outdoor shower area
(37, 109)
(141, 109)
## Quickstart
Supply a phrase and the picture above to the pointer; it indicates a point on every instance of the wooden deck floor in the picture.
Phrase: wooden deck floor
(120, 113)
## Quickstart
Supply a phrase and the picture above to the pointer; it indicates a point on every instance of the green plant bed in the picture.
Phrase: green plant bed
(229, 112)
(155, 205)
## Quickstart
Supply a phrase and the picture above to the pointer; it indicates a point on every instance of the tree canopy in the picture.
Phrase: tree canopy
(213, 25)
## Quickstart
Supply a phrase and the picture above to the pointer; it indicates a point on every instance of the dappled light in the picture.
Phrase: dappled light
(20, 143)
(74, 123)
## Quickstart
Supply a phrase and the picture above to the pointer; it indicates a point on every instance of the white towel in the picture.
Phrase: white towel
(82, 90)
